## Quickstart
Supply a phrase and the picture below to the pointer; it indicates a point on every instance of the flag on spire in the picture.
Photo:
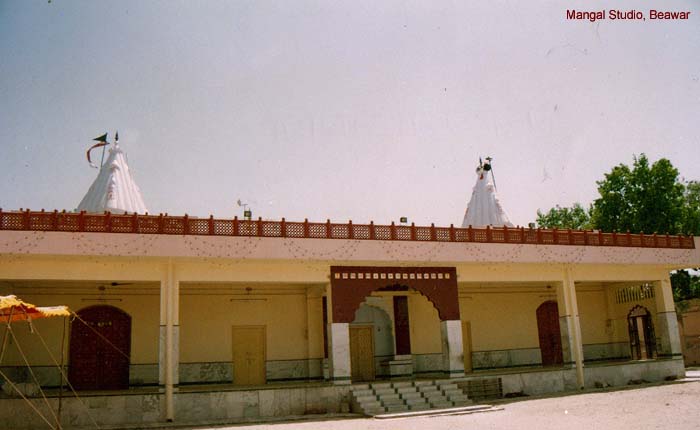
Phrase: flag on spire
(102, 142)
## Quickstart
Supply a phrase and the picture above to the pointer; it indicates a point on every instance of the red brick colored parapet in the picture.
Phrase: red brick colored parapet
(184, 225)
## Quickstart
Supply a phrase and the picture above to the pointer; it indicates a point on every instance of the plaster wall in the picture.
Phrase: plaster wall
(206, 322)
(356, 251)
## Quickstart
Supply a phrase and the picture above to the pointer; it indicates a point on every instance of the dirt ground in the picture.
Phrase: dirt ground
(669, 406)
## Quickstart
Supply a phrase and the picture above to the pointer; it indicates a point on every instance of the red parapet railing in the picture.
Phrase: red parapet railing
(186, 225)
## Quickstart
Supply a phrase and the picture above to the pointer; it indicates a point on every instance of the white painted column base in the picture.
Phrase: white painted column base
(669, 340)
(452, 348)
(339, 356)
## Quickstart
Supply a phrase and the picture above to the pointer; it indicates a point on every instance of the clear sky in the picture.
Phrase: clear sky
(362, 110)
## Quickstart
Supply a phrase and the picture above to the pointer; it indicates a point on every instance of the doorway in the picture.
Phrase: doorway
(641, 331)
(362, 353)
(248, 355)
(100, 349)
(467, 345)
(549, 333)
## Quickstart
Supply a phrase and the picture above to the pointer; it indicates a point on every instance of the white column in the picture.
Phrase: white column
(339, 344)
(669, 341)
(452, 348)
(168, 356)
(571, 306)
(565, 326)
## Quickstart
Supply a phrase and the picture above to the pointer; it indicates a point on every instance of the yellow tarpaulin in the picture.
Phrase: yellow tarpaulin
(14, 309)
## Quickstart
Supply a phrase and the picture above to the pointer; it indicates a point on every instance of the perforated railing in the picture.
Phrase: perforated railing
(185, 225)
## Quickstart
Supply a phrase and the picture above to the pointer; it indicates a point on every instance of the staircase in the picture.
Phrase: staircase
(390, 397)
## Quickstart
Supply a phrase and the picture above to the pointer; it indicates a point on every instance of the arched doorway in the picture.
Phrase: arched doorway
(100, 347)
(641, 331)
(549, 334)
(370, 339)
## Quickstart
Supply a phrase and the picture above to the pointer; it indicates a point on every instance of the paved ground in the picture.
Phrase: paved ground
(669, 406)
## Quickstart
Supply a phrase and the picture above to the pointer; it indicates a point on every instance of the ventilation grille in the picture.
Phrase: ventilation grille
(634, 293)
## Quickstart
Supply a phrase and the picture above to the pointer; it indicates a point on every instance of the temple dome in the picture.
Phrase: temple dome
(114, 189)
(484, 208)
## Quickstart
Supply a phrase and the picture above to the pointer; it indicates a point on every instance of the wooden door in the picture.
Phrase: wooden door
(467, 345)
(100, 347)
(549, 334)
(248, 355)
(362, 353)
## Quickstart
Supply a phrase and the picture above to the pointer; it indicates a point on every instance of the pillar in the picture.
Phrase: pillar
(314, 332)
(168, 351)
(668, 342)
(339, 356)
(452, 348)
(565, 326)
(574, 325)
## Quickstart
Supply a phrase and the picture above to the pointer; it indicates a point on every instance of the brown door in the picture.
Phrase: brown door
(362, 353)
(467, 345)
(100, 347)
(550, 336)
(248, 355)
(402, 325)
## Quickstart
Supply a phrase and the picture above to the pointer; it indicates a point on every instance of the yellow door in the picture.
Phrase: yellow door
(248, 355)
(362, 353)
(467, 345)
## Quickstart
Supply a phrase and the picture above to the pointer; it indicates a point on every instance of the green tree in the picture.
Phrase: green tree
(685, 286)
(575, 217)
(643, 198)
(691, 209)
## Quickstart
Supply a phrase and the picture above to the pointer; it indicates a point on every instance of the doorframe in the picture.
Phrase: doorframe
(264, 348)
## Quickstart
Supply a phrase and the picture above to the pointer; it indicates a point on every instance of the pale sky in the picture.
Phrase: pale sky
(362, 110)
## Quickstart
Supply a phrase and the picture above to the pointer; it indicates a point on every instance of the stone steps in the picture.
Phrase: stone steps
(402, 396)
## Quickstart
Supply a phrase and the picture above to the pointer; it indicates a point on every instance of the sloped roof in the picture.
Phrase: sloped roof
(114, 189)
(484, 207)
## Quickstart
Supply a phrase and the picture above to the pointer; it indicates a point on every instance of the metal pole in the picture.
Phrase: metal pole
(103, 156)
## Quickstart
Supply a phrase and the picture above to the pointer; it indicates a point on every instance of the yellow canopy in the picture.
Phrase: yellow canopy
(14, 309)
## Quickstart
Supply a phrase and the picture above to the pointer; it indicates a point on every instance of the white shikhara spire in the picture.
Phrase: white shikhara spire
(114, 189)
(484, 208)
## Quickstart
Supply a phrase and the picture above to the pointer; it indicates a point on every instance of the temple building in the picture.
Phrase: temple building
(217, 320)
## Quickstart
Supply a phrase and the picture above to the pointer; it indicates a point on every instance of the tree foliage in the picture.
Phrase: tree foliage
(575, 217)
(691, 209)
(685, 286)
(643, 198)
